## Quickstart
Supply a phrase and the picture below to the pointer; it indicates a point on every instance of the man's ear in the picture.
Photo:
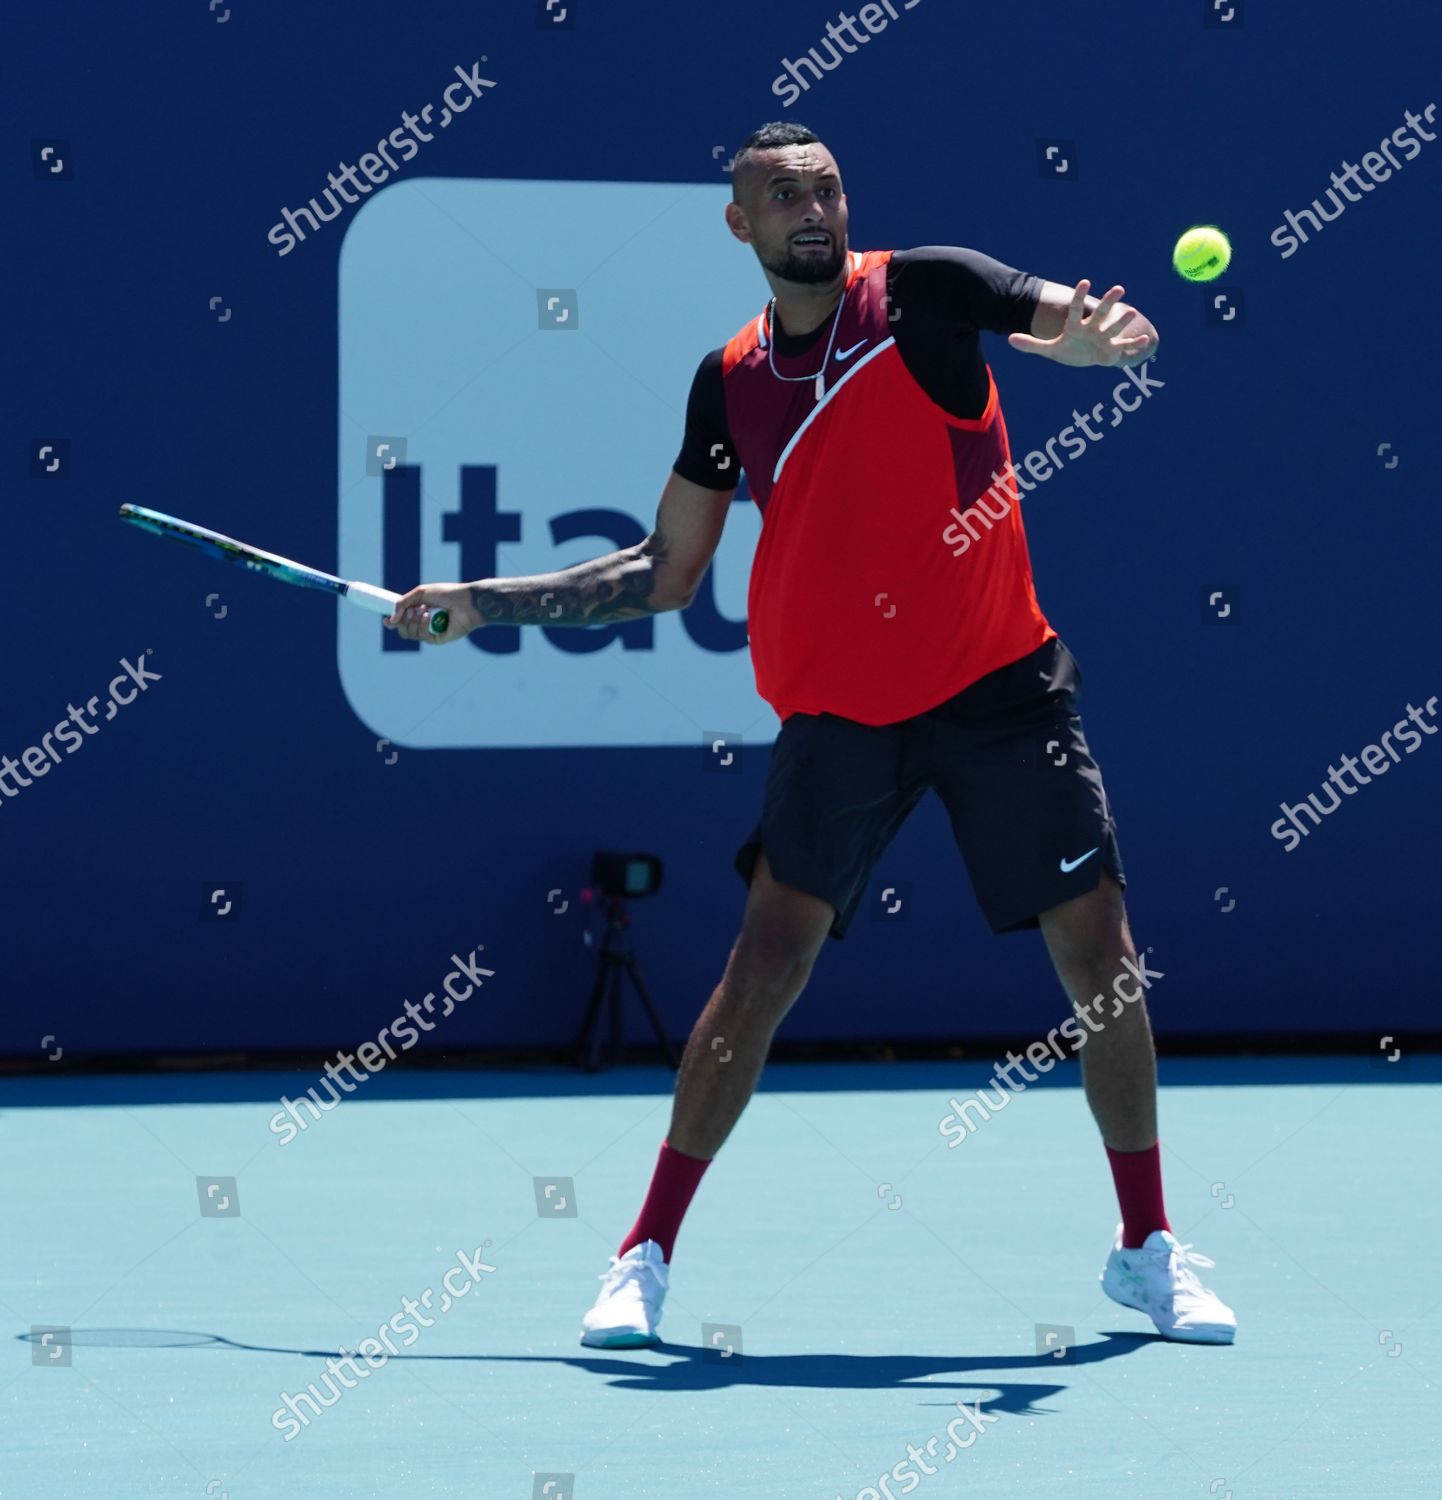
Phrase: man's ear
(736, 222)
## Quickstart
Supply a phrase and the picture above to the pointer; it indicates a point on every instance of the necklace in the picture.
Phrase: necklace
(820, 375)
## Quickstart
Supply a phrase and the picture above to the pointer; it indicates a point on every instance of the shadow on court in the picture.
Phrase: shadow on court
(694, 1367)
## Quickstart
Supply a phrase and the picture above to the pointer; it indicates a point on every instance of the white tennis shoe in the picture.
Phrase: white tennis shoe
(1157, 1279)
(628, 1311)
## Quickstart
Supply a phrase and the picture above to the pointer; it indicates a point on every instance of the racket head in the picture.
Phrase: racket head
(227, 549)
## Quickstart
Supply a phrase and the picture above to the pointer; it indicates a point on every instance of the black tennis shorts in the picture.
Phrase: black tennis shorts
(1010, 763)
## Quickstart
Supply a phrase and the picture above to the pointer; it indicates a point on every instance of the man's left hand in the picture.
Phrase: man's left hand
(1111, 334)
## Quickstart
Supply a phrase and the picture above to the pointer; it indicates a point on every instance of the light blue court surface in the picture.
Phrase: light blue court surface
(867, 1277)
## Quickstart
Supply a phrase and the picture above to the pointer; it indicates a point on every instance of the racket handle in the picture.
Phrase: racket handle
(383, 602)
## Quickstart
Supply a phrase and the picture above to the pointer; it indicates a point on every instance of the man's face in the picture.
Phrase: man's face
(792, 211)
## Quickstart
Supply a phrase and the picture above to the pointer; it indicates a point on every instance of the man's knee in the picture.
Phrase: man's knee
(780, 939)
(768, 970)
(781, 935)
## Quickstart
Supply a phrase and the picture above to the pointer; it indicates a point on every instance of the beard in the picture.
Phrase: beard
(807, 266)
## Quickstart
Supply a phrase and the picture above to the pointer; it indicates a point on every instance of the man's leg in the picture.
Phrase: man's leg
(1147, 1269)
(1088, 940)
(1023, 796)
(781, 935)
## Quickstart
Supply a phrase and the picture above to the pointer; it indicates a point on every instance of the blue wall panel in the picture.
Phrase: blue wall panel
(353, 868)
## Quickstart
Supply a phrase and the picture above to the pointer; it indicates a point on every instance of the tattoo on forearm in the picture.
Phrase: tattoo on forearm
(621, 586)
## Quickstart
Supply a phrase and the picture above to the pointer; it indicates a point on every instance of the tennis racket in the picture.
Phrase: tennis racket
(227, 549)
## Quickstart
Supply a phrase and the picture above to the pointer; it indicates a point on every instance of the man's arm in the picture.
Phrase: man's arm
(1088, 340)
(660, 573)
(657, 574)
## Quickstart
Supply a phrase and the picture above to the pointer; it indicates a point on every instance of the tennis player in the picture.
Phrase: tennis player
(896, 632)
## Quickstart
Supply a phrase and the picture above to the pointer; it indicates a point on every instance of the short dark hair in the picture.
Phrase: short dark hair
(775, 133)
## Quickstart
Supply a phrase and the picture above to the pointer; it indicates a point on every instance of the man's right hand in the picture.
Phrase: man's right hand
(412, 615)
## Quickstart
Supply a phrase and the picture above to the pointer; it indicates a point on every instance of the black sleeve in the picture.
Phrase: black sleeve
(707, 456)
(941, 297)
(964, 289)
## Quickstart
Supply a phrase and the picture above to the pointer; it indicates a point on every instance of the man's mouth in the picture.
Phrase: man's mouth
(811, 237)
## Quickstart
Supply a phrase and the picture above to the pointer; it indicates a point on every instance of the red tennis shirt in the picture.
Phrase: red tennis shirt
(868, 598)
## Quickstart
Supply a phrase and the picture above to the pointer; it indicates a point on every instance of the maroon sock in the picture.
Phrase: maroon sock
(673, 1185)
(1138, 1176)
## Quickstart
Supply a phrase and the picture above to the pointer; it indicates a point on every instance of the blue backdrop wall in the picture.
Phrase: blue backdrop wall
(293, 827)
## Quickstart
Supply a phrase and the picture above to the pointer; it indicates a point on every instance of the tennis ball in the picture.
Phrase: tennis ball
(1202, 253)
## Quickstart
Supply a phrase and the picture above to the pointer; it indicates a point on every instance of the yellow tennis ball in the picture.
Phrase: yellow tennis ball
(1202, 253)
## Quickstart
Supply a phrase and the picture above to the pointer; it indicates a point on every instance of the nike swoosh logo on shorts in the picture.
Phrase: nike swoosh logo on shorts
(1068, 865)
(847, 353)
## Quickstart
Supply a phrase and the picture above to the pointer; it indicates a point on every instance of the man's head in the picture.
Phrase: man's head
(785, 191)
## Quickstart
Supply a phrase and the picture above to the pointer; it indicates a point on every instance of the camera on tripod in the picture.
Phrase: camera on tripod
(616, 879)
(624, 875)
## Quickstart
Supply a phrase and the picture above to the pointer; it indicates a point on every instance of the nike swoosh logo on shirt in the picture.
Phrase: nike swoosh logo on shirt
(847, 353)
(1068, 865)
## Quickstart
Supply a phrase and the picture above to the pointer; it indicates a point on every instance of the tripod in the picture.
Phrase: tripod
(614, 960)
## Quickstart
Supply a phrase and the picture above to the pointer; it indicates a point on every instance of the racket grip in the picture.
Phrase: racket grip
(383, 602)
